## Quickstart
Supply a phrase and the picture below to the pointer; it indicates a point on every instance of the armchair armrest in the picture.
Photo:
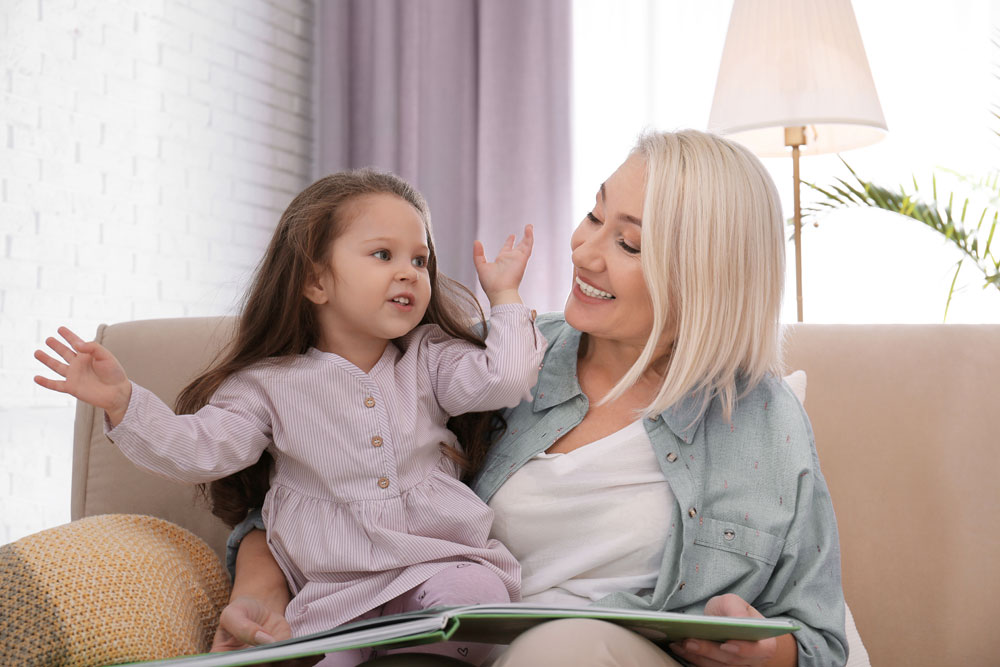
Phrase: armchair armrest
(108, 589)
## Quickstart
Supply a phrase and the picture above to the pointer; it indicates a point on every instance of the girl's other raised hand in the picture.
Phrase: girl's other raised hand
(92, 374)
(501, 277)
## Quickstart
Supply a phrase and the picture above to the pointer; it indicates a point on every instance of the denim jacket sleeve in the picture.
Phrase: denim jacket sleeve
(802, 582)
(805, 584)
(254, 521)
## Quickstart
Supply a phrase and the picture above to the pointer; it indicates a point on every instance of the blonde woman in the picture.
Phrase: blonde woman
(662, 463)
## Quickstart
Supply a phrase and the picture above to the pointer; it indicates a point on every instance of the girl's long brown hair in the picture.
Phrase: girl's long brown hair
(278, 321)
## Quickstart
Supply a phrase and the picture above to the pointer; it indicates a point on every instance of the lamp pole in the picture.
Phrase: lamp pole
(781, 74)
(796, 137)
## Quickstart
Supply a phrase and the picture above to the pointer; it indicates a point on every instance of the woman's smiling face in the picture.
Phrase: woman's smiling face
(609, 298)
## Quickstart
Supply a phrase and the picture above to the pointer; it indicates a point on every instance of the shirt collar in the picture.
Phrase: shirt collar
(558, 383)
(686, 415)
(557, 380)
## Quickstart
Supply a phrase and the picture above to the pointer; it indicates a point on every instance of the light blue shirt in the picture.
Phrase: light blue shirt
(753, 514)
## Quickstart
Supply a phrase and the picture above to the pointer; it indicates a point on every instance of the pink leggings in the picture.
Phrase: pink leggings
(462, 583)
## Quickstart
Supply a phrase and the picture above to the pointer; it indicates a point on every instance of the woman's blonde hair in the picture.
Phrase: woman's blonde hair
(713, 256)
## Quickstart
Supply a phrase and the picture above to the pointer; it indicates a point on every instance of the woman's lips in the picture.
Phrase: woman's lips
(591, 292)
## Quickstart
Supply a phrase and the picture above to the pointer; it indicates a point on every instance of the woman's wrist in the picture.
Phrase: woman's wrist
(258, 575)
(787, 653)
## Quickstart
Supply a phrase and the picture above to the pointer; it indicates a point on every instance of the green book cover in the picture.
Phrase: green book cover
(492, 624)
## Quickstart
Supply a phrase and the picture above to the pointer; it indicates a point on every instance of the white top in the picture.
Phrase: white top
(587, 523)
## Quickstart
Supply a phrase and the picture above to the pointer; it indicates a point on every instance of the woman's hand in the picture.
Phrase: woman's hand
(255, 613)
(501, 277)
(773, 651)
(92, 374)
(248, 622)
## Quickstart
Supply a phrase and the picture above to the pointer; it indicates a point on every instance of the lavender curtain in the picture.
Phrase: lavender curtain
(470, 101)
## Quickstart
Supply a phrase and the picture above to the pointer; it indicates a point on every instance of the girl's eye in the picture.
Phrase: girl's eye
(627, 248)
(593, 218)
(420, 262)
(382, 254)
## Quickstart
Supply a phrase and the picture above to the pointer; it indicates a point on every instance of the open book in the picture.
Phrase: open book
(492, 624)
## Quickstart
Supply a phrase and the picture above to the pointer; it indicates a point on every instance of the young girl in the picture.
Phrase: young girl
(349, 357)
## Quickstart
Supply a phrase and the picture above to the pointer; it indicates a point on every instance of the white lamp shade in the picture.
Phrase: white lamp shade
(795, 63)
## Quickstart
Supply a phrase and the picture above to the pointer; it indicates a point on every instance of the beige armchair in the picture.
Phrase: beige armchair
(162, 356)
(908, 432)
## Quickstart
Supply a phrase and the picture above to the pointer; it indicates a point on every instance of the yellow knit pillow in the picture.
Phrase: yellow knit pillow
(108, 589)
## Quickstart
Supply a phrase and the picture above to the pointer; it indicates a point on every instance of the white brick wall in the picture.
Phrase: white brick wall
(147, 148)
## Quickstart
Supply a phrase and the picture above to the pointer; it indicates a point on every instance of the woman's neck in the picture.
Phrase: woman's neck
(611, 359)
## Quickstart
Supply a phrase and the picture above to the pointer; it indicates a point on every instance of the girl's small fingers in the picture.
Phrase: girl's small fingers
(88, 347)
(509, 243)
(529, 238)
(75, 341)
(52, 363)
(60, 349)
(478, 252)
(54, 385)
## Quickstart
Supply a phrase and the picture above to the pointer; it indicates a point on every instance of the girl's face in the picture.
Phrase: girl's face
(609, 298)
(379, 288)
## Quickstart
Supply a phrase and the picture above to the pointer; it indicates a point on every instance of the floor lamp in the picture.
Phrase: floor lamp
(794, 75)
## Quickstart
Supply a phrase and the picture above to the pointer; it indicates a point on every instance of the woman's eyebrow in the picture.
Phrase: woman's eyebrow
(621, 216)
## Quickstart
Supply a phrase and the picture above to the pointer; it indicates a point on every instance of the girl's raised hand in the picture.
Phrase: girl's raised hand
(92, 374)
(501, 277)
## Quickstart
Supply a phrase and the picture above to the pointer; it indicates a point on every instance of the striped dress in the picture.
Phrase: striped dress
(363, 506)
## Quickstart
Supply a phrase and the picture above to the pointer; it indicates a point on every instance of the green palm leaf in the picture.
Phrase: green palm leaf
(973, 244)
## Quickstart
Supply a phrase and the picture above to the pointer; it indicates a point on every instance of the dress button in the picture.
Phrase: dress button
(369, 402)
(383, 482)
(671, 457)
(376, 441)
(692, 512)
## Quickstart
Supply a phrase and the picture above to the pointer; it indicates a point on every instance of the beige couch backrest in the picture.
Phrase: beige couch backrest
(908, 430)
(906, 423)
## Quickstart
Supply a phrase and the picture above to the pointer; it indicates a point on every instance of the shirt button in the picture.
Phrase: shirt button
(729, 535)
(681, 587)
(376, 441)
(671, 457)
(692, 512)
(369, 402)
(383, 482)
